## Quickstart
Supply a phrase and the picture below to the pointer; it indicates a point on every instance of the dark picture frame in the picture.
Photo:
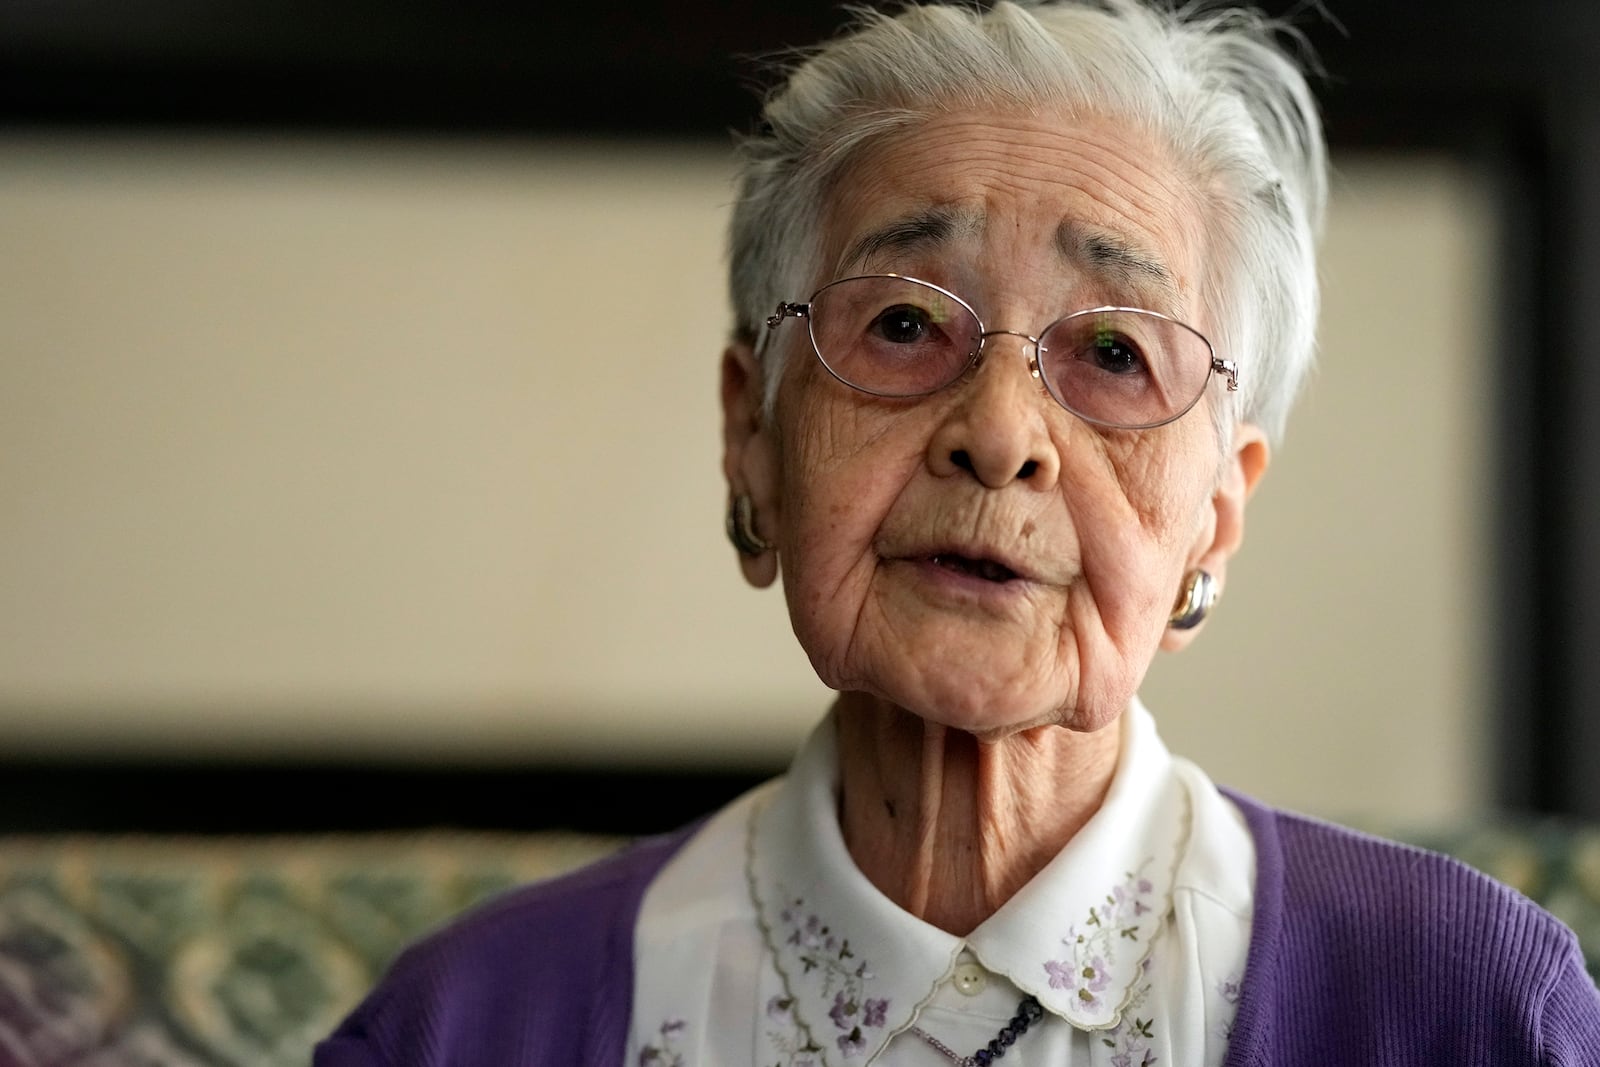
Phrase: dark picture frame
(1514, 90)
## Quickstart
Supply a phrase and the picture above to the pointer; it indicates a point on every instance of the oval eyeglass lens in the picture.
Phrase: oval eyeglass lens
(1124, 368)
(892, 336)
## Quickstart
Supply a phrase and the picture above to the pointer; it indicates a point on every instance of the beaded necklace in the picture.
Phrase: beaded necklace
(1029, 1012)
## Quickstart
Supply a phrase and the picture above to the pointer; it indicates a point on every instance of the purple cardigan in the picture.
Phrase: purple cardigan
(1362, 952)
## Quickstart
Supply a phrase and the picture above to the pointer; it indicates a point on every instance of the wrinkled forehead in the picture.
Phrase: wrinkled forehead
(1111, 260)
(979, 197)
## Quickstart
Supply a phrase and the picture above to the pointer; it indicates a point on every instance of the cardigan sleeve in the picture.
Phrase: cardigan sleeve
(542, 977)
(1570, 1023)
(346, 1050)
(1368, 952)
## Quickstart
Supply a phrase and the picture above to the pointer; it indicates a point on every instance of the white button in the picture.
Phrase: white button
(970, 979)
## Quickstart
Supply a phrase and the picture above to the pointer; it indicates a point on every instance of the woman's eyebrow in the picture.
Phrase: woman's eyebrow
(932, 226)
(1107, 256)
(1120, 263)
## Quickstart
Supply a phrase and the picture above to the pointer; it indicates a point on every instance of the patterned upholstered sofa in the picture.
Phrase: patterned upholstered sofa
(242, 952)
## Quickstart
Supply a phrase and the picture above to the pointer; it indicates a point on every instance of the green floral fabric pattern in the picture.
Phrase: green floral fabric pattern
(225, 953)
(243, 953)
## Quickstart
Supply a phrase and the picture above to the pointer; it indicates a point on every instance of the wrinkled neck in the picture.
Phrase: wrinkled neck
(950, 827)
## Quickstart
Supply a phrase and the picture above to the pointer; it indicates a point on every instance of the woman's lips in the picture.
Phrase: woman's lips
(957, 578)
(987, 569)
(995, 561)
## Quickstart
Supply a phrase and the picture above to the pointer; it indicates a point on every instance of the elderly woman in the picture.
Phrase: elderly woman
(1022, 299)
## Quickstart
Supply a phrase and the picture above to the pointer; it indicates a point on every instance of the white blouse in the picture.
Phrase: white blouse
(761, 943)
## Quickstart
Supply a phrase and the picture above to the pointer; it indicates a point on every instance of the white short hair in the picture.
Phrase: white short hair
(1215, 85)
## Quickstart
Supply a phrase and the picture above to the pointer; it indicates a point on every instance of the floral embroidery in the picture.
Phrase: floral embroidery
(1093, 949)
(828, 956)
(1131, 1039)
(666, 1053)
(1130, 1043)
(1230, 989)
(784, 1035)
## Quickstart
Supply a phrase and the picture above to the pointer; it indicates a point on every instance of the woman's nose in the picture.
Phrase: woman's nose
(996, 429)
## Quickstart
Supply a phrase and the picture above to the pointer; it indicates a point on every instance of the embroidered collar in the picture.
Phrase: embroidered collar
(857, 968)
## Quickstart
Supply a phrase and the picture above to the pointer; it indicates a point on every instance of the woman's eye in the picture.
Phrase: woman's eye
(901, 325)
(1115, 354)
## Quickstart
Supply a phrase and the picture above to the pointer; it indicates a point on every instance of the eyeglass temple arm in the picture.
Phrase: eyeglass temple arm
(786, 310)
(1218, 366)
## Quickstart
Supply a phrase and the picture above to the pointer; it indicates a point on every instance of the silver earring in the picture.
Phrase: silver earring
(741, 526)
(1195, 600)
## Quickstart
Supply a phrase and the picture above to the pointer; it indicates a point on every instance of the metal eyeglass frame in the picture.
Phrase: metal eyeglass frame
(802, 310)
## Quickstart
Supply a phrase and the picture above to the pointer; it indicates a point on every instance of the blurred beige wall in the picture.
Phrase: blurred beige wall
(411, 451)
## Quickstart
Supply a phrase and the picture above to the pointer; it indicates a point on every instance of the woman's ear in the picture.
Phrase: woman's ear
(1222, 532)
(749, 457)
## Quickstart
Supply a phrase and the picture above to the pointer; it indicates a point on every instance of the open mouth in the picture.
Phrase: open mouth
(986, 569)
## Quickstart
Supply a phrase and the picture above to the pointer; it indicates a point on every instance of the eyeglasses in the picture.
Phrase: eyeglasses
(894, 336)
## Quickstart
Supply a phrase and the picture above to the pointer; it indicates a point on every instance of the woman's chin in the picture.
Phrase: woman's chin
(989, 714)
